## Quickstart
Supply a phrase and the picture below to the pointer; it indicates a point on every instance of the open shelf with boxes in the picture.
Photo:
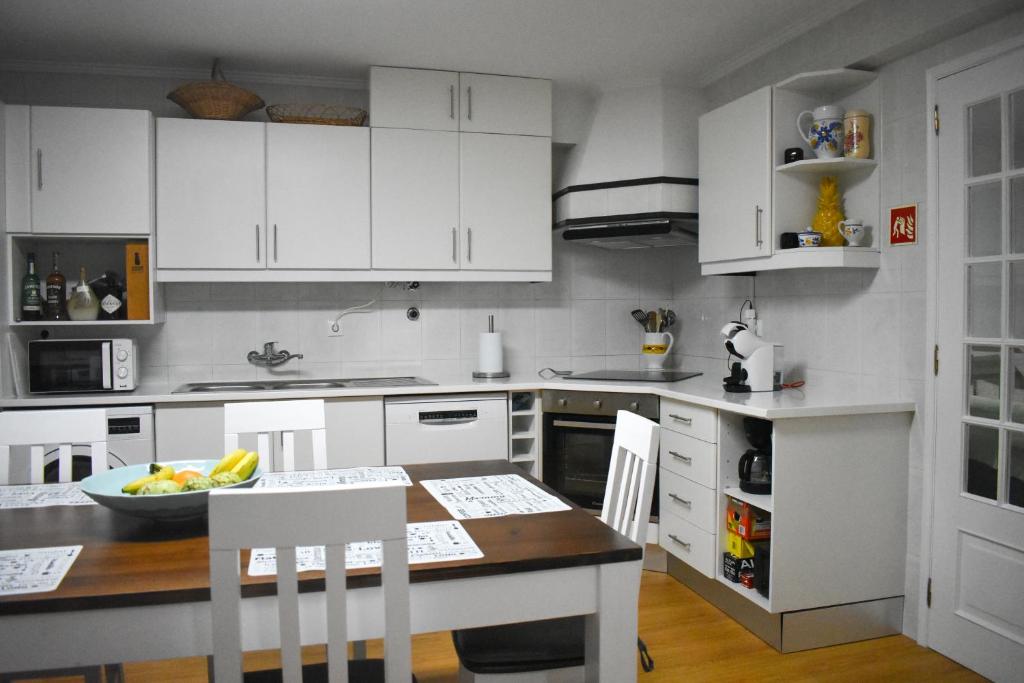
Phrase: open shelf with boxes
(97, 254)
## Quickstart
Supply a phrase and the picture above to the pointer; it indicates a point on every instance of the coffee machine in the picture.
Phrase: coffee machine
(760, 364)
(755, 466)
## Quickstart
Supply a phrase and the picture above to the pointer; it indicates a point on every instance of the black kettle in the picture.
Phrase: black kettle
(756, 472)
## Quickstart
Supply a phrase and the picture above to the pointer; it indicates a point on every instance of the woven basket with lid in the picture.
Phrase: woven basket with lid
(215, 99)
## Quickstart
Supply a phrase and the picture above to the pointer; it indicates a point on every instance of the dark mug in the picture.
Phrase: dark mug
(792, 154)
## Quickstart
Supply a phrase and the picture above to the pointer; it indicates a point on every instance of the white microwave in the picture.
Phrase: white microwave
(61, 366)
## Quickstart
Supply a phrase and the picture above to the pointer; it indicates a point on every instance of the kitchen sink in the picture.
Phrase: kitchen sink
(298, 384)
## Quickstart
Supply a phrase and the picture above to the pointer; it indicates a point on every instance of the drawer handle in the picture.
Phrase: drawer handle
(685, 458)
(684, 420)
(681, 501)
(682, 543)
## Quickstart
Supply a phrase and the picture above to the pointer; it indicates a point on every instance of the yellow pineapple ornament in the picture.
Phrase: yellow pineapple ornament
(830, 212)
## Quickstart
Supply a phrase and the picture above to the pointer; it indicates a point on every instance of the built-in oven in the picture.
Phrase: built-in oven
(579, 430)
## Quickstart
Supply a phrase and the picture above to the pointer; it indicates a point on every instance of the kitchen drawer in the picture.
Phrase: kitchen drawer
(691, 458)
(688, 500)
(692, 420)
(694, 546)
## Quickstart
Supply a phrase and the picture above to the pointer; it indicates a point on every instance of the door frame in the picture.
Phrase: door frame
(933, 76)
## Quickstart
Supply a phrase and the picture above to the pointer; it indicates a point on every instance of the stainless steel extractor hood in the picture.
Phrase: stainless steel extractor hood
(629, 214)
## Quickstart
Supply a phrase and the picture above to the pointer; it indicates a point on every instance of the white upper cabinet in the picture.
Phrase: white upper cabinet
(445, 100)
(505, 104)
(505, 183)
(211, 185)
(749, 196)
(414, 98)
(415, 176)
(318, 196)
(736, 179)
(90, 171)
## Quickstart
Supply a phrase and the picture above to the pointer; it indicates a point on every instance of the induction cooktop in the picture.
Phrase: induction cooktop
(637, 375)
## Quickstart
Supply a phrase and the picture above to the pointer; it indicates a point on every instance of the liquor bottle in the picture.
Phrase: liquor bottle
(56, 293)
(31, 295)
(110, 290)
(83, 304)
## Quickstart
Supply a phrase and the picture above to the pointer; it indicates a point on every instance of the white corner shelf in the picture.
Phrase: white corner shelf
(79, 323)
(760, 501)
(808, 257)
(817, 166)
(524, 446)
(833, 82)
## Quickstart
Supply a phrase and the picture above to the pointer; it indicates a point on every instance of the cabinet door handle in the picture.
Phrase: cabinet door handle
(451, 101)
(39, 169)
(682, 543)
(275, 242)
(455, 248)
(469, 245)
(757, 225)
(684, 420)
(679, 456)
(469, 102)
(681, 501)
(257, 243)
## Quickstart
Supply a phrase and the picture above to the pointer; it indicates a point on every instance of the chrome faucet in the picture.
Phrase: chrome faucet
(270, 357)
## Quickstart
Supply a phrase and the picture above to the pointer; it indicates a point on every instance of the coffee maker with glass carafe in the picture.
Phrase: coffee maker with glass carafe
(755, 466)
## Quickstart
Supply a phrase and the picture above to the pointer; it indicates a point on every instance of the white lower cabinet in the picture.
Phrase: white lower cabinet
(691, 544)
(355, 432)
(688, 500)
(691, 458)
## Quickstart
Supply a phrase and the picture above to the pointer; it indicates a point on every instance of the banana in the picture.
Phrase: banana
(228, 461)
(159, 472)
(247, 465)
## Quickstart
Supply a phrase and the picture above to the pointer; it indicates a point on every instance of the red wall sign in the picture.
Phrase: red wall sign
(903, 224)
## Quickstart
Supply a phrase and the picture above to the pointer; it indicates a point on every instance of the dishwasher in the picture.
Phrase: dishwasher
(455, 427)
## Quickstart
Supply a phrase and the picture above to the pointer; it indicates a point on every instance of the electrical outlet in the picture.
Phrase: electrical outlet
(334, 328)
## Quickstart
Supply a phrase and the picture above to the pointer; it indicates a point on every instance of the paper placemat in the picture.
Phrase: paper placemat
(35, 570)
(445, 541)
(493, 495)
(350, 476)
(43, 495)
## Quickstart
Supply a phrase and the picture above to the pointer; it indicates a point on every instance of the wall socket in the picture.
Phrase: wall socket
(334, 328)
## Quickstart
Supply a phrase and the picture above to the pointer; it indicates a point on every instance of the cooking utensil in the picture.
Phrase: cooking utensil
(640, 316)
(652, 321)
(670, 318)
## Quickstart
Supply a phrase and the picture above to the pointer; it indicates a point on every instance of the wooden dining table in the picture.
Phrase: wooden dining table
(140, 590)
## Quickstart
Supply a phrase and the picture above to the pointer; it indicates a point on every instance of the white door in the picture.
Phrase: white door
(736, 179)
(977, 568)
(414, 98)
(91, 170)
(506, 202)
(415, 199)
(318, 196)
(505, 104)
(211, 201)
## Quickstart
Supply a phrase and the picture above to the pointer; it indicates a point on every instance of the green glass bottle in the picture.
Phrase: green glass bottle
(31, 293)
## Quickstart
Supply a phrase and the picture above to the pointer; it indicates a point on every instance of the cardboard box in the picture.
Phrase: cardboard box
(136, 280)
(738, 546)
(748, 522)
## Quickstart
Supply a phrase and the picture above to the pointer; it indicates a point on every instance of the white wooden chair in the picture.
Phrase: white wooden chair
(63, 428)
(553, 650)
(265, 418)
(284, 519)
(40, 428)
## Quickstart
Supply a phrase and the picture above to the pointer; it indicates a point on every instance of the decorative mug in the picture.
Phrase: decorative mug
(825, 134)
(853, 230)
(656, 347)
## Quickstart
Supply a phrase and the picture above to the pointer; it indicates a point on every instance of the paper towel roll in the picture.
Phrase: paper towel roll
(490, 352)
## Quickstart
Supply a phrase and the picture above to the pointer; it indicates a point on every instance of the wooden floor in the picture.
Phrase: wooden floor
(689, 639)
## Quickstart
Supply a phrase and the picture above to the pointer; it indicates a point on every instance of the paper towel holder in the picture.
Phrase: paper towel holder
(499, 374)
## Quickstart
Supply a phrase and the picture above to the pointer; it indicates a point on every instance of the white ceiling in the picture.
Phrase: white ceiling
(579, 42)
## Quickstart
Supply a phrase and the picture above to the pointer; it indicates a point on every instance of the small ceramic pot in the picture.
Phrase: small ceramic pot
(809, 238)
(825, 134)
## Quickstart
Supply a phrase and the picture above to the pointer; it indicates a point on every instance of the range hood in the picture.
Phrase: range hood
(629, 214)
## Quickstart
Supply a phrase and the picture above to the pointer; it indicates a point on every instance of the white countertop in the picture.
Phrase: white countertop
(812, 400)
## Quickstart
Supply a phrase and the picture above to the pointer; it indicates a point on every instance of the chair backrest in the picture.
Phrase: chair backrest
(630, 487)
(39, 428)
(264, 418)
(329, 516)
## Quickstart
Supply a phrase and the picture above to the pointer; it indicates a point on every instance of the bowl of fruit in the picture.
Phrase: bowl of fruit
(171, 491)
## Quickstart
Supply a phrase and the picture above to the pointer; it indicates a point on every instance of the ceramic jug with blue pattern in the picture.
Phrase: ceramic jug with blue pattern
(825, 134)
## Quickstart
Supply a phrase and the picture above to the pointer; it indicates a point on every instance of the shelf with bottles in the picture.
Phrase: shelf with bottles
(98, 255)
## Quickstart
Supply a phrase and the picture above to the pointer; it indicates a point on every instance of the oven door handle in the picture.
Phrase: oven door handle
(575, 424)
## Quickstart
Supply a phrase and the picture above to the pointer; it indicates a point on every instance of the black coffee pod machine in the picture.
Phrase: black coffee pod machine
(755, 466)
